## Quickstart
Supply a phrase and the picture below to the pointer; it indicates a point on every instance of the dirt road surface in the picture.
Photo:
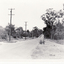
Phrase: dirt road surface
(49, 50)
(18, 50)
(31, 49)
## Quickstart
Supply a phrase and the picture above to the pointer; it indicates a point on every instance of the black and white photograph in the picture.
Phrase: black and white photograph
(31, 29)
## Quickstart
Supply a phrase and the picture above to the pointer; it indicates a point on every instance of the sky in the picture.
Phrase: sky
(29, 11)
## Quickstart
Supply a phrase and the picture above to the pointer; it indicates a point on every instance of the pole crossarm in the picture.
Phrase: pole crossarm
(11, 9)
(10, 14)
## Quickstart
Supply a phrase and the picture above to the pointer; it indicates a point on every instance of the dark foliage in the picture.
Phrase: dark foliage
(50, 18)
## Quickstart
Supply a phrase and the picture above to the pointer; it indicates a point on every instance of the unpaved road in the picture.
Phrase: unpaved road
(49, 50)
(18, 50)
(31, 49)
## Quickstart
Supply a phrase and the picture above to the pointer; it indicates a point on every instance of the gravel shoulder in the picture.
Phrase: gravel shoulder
(50, 50)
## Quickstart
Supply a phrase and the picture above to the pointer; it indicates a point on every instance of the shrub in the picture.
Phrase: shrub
(59, 35)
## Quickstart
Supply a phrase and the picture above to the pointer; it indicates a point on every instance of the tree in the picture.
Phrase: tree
(28, 33)
(19, 32)
(59, 33)
(50, 17)
(40, 31)
(35, 32)
(12, 28)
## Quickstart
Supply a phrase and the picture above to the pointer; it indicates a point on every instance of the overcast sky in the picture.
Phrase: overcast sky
(27, 10)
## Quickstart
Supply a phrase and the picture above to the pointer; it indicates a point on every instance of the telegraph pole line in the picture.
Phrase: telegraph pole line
(10, 22)
(25, 29)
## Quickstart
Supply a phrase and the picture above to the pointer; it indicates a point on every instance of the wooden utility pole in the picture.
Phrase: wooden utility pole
(63, 6)
(10, 23)
(25, 29)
